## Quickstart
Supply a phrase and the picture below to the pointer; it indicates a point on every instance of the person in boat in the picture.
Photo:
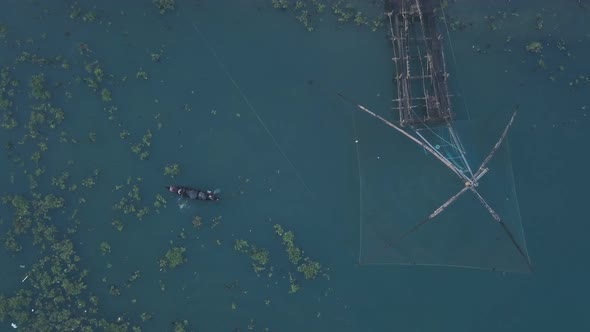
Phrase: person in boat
(197, 194)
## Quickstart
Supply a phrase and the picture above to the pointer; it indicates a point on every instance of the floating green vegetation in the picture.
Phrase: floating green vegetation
(58, 116)
(42, 113)
(117, 224)
(308, 267)
(180, 325)
(216, 221)
(280, 4)
(347, 13)
(136, 275)
(38, 90)
(141, 74)
(288, 238)
(131, 202)
(114, 290)
(539, 21)
(172, 170)
(241, 246)
(53, 295)
(303, 17)
(173, 258)
(8, 121)
(496, 21)
(260, 257)
(105, 248)
(124, 134)
(56, 298)
(90, 182)
(77, 14)
(3, 31)
(561, 44)
(159, 203)
(105, 95)
(75, 11)
(92, 136)
(308, 11)
(95, 70)
(534, 47)
(293, 284)
(457, 24)
(89, 17)
(60, 182)
(376, 24)
(146, 316)
(164, 5)
(197, 222)
(157, 56)
(7, 92)
(35, 59)
(94, 80)
(141, 148)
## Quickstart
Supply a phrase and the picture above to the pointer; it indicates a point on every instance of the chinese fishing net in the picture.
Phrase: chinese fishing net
(401, 185)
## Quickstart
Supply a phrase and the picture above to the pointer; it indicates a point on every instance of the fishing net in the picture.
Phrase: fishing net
(401, 185)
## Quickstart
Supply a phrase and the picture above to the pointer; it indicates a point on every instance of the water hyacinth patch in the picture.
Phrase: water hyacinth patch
(174, 257)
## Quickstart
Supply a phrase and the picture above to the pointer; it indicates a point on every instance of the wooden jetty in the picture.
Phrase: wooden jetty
(419, 61)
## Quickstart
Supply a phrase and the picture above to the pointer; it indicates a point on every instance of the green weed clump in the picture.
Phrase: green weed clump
(164, 5)
(174, 257)
(172, 170)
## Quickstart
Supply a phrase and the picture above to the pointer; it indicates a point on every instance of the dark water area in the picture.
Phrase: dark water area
(243, 99)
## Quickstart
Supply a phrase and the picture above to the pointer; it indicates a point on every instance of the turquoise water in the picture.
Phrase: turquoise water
(243, 99)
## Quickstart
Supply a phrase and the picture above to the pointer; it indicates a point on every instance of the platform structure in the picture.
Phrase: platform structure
(423, 100)
(419, 62)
